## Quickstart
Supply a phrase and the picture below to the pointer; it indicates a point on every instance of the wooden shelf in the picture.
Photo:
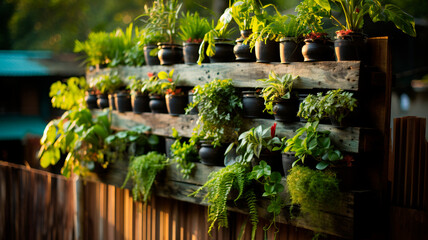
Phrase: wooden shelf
(313, 75)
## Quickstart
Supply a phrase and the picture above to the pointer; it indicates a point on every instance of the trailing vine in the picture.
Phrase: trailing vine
(184, 154)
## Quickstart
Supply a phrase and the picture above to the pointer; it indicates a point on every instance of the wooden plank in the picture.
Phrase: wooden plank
(410, 150)
(346, 139)
(328, 75)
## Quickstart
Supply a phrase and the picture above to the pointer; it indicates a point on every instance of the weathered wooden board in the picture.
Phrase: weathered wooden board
(325, 75)
(346, 139)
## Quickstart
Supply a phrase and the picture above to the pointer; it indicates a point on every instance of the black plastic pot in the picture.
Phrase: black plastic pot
(150, 60)
(140, 103)
(194, 110)
(267, 52)
(112, 101)
(176, 104)
(242, 51)
(223, 53)
(123, 102)
(210, 155)
(102, 101)
(288, 159)
(286, 110)
(317, 51)
(191, 52)
(253, 104)
(290, 50)
(157, 104)
(350, 47)
(91, 100)
(170, 54)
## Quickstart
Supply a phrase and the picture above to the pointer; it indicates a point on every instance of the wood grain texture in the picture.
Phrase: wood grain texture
(324, 75)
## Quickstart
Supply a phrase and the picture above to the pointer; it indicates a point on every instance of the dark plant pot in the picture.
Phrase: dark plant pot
(194, 110)
(170, 54)
(157, 104)
(288, 159)
(317, 51)
(102, 101)
(191, 52)
(176, 104)
(112, 101)
(210, 155)
(91, 101)
(123, 102)
(267, 52)
(242, 51)
(253, 104)
(286, 110)
(273, 159)
(150, 60)
(140, 103)
(350, 47)
(223, 53)
(290, 50)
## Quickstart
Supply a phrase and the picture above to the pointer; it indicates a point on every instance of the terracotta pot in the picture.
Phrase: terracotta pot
(317, 51)
(176, 104)
(170, 54)
(290, 50)
(210, 155)
(350, 47)
(123, 102)
(267, 52)
(102, 101)
(140, 103)
(150, 60)
(157, 104)
(286, 110)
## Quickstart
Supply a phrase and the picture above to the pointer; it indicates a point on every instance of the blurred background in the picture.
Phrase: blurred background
(37, 39)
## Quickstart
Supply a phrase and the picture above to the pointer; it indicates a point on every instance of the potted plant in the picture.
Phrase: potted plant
(289, 30)
(176, 100)
(217, 41)
(192, 31)
(258, 144)
(350, 39)
(242, 12)
(219, 118)
(184, 154)
(156, 92)
(149, 38)
(143, 171)
(139, 100)
(338, 105)
(279, 99)
(95, 48)
(253, 104)
(312, 108)
(318, 46)
(106, 85)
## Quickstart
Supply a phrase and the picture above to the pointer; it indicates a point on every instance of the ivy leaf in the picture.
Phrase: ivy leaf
(322, 165)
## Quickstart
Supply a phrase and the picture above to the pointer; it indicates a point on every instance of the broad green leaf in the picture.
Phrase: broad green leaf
(162, 75)
(322, 165)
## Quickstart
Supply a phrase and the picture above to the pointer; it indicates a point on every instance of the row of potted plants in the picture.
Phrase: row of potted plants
(266, 34)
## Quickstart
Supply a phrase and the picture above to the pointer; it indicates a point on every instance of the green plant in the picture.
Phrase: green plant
(338, 104)
(219, 186)
(276, 88)
(316, 144)
(106, 83)
(242, 12)
(193, 27)
(355, 10)
(123, 144)
(285, 26)
(272, 189)
(136, 85)
(254, 141)
(184, 154)
(218, 105)
(160, 84)
(69, 95)
(95, 48)
(313, 108)
(312, 190)
(143, 171)
(310, 14)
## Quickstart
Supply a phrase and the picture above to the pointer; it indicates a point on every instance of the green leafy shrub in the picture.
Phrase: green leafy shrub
(69, 95)
(184, 154)
(193, 27)
(106, 83)
(143, 171)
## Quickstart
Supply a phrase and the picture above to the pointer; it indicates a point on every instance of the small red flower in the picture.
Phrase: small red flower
(150, 74)
(272, 130)
(342, 33)
(170, 79)
(357, 10)
(348, 159)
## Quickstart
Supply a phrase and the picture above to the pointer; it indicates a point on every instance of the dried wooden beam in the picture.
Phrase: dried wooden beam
(325, 75)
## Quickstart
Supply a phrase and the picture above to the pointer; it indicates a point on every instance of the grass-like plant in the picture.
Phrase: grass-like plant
(143, 171)
(193, 27)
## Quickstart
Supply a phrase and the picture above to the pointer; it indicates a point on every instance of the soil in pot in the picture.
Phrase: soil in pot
(317, 51)
(350, 47)
(112, 101)
(158, 104)
(123, 102)
(290, 50)
(102, 101)
(288, 159)
(210, 155)
(170, 54)
(176, 104)
(150, 60)
(140, 103)
(286, 110)
(223, 52)
(253, 105)
(91, 100)
(267, 52)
